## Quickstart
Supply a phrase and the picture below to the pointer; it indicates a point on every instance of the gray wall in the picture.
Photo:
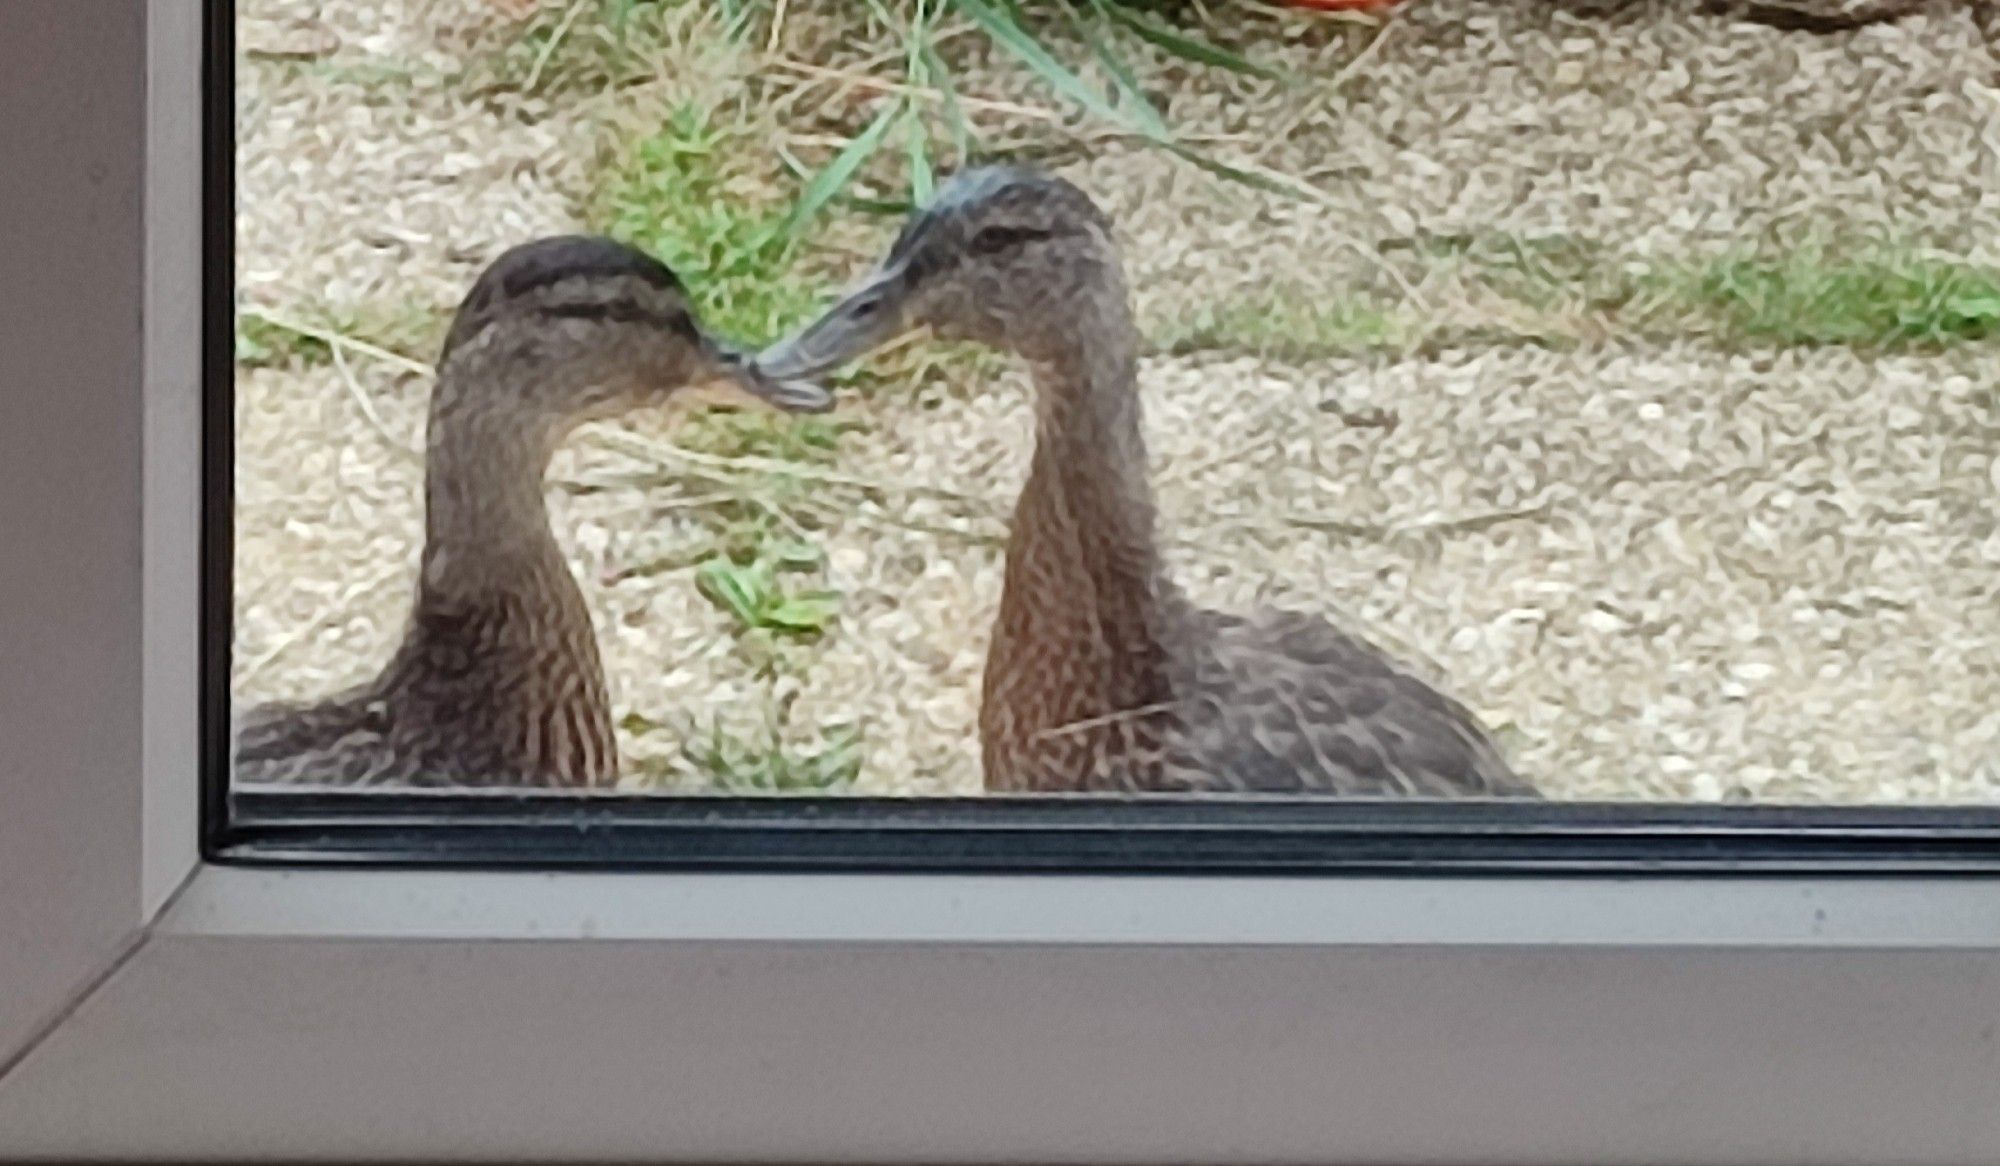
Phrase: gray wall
(72, 142)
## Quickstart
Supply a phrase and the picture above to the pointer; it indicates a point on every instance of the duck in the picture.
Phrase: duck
(497, 679)
(1102, 677)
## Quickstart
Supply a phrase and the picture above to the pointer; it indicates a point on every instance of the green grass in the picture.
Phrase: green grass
(605, 45)
(1558, 292)
(262, 344)
(745, 530)
(385, 79)
(1555, 274)
(412, 330)
(692, 192)
(1287, 328)
(1050, 41)
(1880, 299)
(779, 437)
(765, 764)
(561, 51)
(738, 265)
(756, 596)
(755, 763)
(681, 194)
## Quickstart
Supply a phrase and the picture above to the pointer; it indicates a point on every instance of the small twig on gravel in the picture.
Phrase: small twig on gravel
(321, 620)
(777, 27)
(1326, 93)
(1178, 472)
(652, 478)
(922, 93)
(1314, 194)
(737, 491)
(367, 408)
(857, 73)
(663, 455)
(555, 41)
(890, 521)
(1285, 524)
(1051, 118)
(1181, 472)
(1446, 525)
(782, 516)
(334, 339)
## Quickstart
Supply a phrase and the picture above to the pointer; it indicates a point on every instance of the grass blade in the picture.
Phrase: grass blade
(727, 587)
(1009, 35)
(1233, 173)
(736, 16)
(893, 207)
(828, 182)
(916, 134)
(954, 113)
(810, 613)
(916, 131)
(1183, 46)
(1127, 84)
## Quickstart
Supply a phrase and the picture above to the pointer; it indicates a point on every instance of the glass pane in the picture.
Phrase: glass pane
(1440, 400)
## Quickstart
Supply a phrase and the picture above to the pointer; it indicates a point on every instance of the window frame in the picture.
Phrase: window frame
(1080, 834)
(239, 1001)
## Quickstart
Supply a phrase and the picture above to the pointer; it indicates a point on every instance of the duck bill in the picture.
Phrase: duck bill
(736, 370)
(864, 320)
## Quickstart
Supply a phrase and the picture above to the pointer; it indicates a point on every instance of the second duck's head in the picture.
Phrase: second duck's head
(571, 328)
(1002, 256)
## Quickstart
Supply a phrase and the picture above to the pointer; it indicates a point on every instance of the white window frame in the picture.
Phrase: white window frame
(154, 1007)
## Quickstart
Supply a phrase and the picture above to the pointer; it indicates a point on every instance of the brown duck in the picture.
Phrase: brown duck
(1101, 676)
(497, 680)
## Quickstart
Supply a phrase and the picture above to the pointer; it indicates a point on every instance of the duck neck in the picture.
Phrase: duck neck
(1083, 566)
(486, 523)
(1089, 465)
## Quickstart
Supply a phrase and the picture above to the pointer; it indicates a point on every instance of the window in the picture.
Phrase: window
(1606, 478)
(1499, 426)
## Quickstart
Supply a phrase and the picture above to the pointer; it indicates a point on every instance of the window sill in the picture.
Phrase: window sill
(387, 1015)
(1845, 913)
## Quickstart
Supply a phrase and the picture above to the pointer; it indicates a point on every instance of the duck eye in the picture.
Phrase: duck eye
(865, 307)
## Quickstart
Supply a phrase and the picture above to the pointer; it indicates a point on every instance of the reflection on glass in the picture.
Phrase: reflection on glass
(1628, 377)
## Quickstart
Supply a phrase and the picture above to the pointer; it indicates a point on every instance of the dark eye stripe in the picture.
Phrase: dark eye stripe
(623, 312)
(994, 239)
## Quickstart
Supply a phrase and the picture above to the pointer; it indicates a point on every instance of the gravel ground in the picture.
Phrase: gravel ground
(1664, 571)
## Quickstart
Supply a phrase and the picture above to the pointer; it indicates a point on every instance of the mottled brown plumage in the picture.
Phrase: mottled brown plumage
(1102, 676)
(497, 680)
